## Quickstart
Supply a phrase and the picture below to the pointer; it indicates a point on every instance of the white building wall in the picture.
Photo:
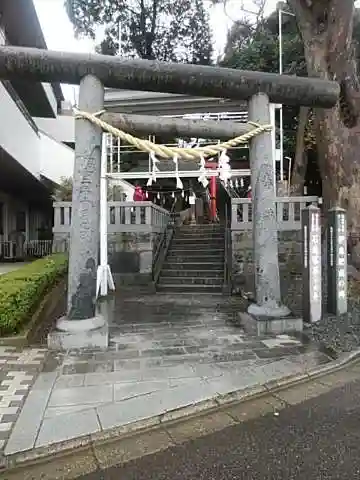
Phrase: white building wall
(17, 136)
(51, 96)
(35, 151)
(56, 159)
(61, 128)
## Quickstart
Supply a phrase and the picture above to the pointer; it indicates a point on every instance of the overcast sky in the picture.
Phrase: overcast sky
(59, 34)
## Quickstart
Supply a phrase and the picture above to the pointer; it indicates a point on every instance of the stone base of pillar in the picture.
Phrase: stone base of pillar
(66, 325)
(268, 310)
(279, 325)
(88, 333)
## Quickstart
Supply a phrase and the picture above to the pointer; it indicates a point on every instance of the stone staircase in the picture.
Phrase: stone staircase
(195, 261)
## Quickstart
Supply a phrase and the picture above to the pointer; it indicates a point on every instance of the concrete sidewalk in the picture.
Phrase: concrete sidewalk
(11, 267)
(169, 356)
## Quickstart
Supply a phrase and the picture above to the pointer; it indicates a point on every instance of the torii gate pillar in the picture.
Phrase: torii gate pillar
(83, 326)
(265, 234)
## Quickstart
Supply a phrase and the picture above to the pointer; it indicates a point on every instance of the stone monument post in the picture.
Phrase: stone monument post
(82, 318)
(311, 255)
(265, 234)
(337, 261)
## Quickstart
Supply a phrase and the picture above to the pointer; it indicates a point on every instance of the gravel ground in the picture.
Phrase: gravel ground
(340, 333)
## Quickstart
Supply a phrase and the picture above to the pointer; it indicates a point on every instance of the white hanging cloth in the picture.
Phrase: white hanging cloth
(224, 168)
(202, 177)
(179, 183)
(155, 169)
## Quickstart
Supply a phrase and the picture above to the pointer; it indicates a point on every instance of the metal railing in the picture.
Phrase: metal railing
(10, 250)
(38, 248)
(163, 245)
(123, 217)
(288, 212)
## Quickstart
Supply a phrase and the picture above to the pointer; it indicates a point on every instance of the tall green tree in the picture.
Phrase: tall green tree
(329, 31)
(164, 30)
(255, 46)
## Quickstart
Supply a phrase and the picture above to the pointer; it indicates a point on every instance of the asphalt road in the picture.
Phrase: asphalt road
(318, 439)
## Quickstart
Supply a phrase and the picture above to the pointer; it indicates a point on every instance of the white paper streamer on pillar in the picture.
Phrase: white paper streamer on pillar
(104, 278)
(202, 177)
(154, 171)
(224, 167)
(179, 183)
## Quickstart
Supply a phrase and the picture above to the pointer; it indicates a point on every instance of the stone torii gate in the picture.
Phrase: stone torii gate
(94, 72)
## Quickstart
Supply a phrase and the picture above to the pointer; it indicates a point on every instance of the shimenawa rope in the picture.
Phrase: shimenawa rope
(165, 152)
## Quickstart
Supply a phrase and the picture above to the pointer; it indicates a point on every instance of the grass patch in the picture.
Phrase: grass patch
(22, 290)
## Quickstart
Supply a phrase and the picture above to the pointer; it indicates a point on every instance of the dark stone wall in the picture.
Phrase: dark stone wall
(130, 255)
(290, 265)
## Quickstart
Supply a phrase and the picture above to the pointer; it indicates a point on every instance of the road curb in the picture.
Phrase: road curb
(93, 447)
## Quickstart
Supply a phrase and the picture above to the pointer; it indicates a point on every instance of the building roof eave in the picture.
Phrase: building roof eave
(25, 29)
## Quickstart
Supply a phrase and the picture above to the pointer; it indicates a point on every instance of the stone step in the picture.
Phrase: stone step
(187, 264)
(199, 238)
(199, 231)
(195, 257)
(196, 250)
(190, 288)
(214, 273)
(209, 281)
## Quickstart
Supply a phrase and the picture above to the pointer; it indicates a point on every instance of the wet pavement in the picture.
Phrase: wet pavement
(315, 440)
(166, 352)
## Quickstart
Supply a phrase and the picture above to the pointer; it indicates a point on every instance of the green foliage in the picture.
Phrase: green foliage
(63, 192)
(164, 30)
(22, 290)
(256, 47)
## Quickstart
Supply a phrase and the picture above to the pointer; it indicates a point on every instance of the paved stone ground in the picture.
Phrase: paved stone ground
(317, 439)
(166, 352)
(18, 371)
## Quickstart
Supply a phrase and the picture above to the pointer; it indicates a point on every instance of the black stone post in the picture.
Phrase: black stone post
(311, 254)
(337, 261)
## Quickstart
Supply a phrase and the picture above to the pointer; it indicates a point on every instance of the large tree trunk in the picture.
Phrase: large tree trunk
(326, 27)
(301, 158)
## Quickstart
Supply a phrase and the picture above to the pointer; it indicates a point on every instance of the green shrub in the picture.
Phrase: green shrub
(22, 290)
